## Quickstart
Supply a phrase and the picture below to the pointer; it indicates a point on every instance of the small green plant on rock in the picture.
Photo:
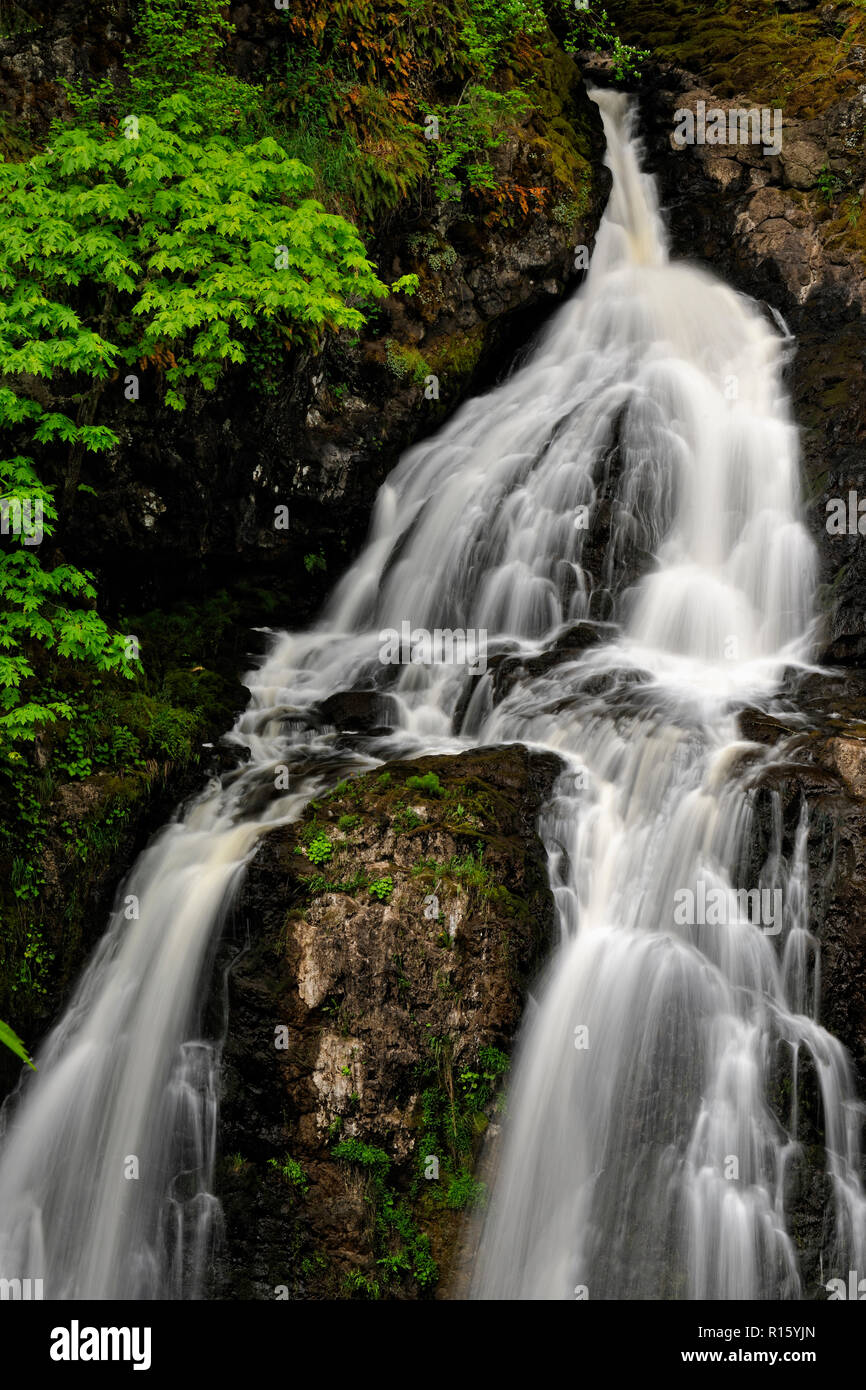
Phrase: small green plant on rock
(382, 888)
(429, 784)
(291, 1172)
(374, 1161)
(478, 1086)
(358, 1285)
(464, 1192)
(406, 819)
(829, 184)
(320, 849)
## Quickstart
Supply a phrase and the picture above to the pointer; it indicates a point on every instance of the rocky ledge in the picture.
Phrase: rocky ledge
(386, 943)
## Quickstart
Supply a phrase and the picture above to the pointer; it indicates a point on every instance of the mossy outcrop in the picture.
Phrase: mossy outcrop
(386, 945)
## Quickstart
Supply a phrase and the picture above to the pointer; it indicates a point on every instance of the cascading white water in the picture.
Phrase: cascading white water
(653, 399)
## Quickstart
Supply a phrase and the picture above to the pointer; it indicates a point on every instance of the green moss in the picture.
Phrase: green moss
(739, 46)
(406, 820)
(406, 363)
(455, 358)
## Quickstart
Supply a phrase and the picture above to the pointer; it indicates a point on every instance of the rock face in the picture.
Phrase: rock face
(95, 830)
(820, 771)
(821, 768)
(371, 1014)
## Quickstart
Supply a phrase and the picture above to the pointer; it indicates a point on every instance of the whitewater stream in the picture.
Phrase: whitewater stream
(641, 1155)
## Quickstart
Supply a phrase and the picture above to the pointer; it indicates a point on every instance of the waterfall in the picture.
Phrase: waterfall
(632, 490)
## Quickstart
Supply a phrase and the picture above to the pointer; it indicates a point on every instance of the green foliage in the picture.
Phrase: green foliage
(437, 253)
(464, 1191)
(469, 131)
(319, 884)
(429, 784)
(315, 562)
(405, 819)
(592, 28)
(830, 185)
(406, 362)
(10, 1039)
(356, 1284)
(356, 88)
(186, 224)
(97, 836)
(14, 19)
(471, 873)
(402, 1249)
(491, 27)
(479, 1086)
(179, 241)
(320, 849)
(374, 1162)
(35, 607)
(122, 730)
(357, 137)
(454, 1115)
(291, 1172)
(382, 888)
(178, 48)
(313, 1264)
(30, 979)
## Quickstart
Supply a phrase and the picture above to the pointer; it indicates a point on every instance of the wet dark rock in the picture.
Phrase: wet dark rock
(510, 668)
(761, 727)
(354, 711)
